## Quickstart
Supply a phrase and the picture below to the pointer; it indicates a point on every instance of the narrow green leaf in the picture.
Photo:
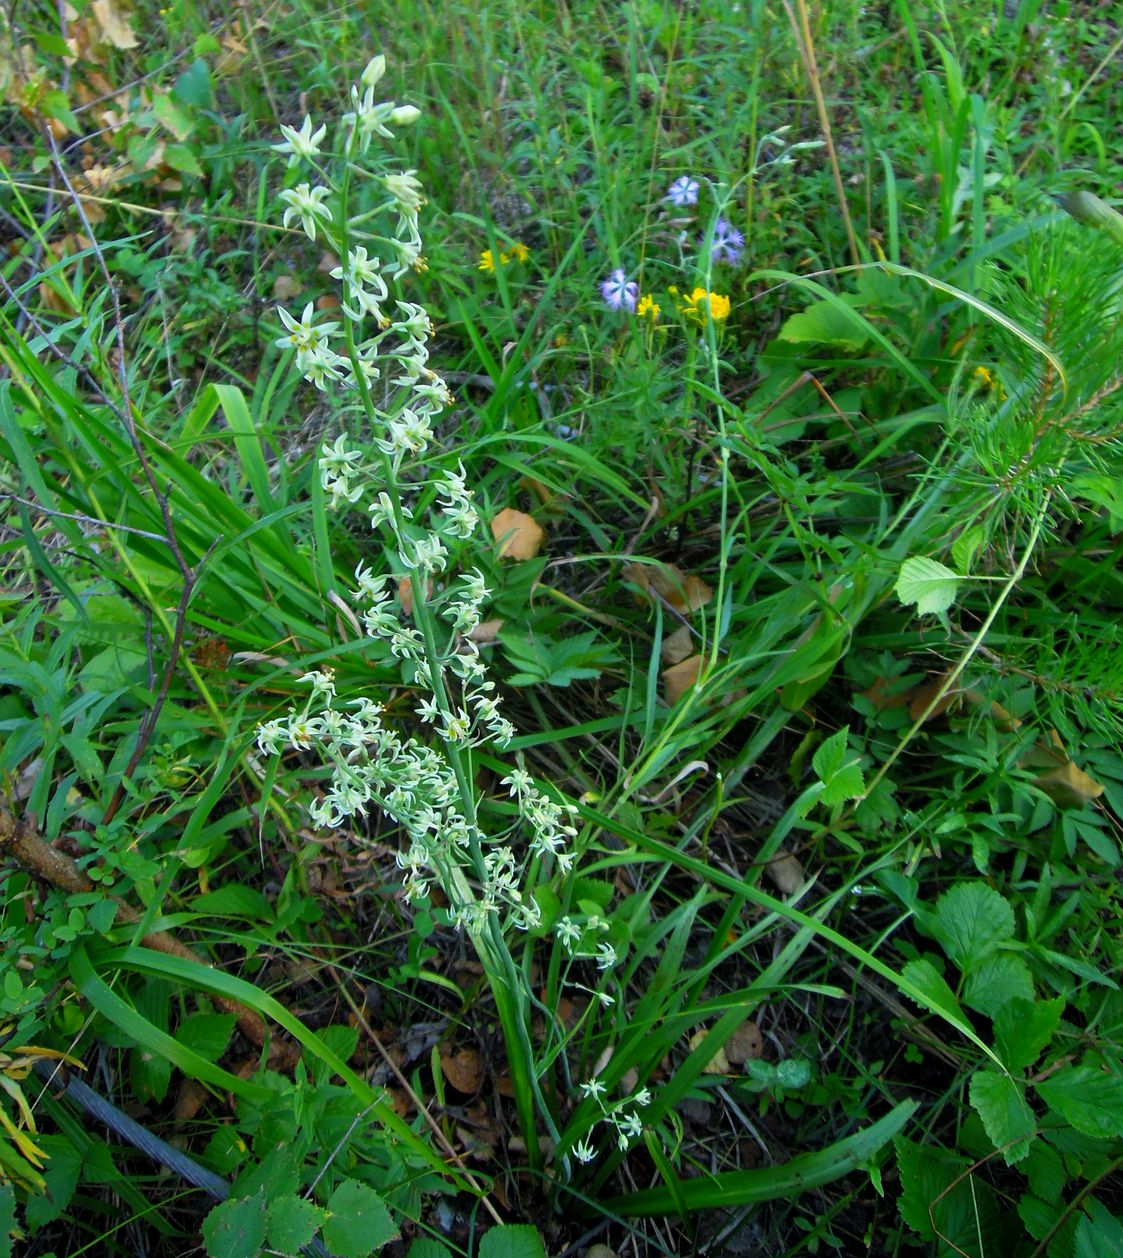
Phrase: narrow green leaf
(800, 1174)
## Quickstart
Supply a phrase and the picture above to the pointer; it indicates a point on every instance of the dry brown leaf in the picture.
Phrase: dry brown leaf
(785, 873)
(923, 695)
(286, 287)
(464, 1069)
(745, 1043)
(678, 679)
(718, 1063)
(600, 1251)
(677, 646)
(405, 594)
(1069, 786)
(114, 29)
(486, 631)
(680, 591)
(519, 535)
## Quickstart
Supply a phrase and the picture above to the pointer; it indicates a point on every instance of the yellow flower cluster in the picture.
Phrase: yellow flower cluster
(517, 252)
(648, 308)
(700, 303)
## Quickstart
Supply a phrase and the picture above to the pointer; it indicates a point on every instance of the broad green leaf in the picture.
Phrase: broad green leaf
(358, 1222)
(517, 1240)
(931, 989)
(970, 921)
(1001, 1103)
(172, 117)
(182, 157)
(1099, 1234)
(1023, 1028)
(1089, 1098)
(941, 1199)
(828, 322)
(206, 1033)
(236, 1229)
(426, 1248)
(292, 1222)
(928, 584)
(838, 769)
(999, 979)
(1045, 1171)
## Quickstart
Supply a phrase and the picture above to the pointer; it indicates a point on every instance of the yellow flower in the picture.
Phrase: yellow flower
(700, 302)
(648, 307)
(518, 251)
(487, 262)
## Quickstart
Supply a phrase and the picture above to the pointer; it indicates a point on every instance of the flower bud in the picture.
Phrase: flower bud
(375, 69)
(1089, 209)
(405, 115)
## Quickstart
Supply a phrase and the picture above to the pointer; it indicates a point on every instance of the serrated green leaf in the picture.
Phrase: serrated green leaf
(998, 980)
(941, 1199)
(928, 584)
(838, 769)
(292, 1222)
(358, 1222)
(515, 1240)
(206, 1033)
(182, 158)
(424, 1247)
(172, 117)
(1099, 1234)
(1023, 1028)
(1089, 1098)
(1045, 1172)
(970, 921)
(1001, 1103)
(236, 1228)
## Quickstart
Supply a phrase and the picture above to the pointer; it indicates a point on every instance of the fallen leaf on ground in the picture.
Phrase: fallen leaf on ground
(746, 1042)
(718, 1063)
(678, 679)
(486, 631)
(519, 535)
(680, 591)
(677, 646)
(785, 873)
(464, 1069)
(286, 287)
(114, 29)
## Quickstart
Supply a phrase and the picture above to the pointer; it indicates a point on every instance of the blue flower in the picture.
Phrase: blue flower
(683, 192)
(619, 293)
(727, 244)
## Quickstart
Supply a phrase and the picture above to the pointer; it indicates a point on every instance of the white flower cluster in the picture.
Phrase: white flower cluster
(626, 1122)
(428, 792)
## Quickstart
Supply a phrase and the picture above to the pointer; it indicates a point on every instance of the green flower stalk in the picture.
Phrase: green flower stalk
(423, 784)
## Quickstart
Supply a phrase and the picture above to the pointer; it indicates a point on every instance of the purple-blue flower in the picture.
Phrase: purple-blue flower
(727, 244)
(619, 293)
(683, 192)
